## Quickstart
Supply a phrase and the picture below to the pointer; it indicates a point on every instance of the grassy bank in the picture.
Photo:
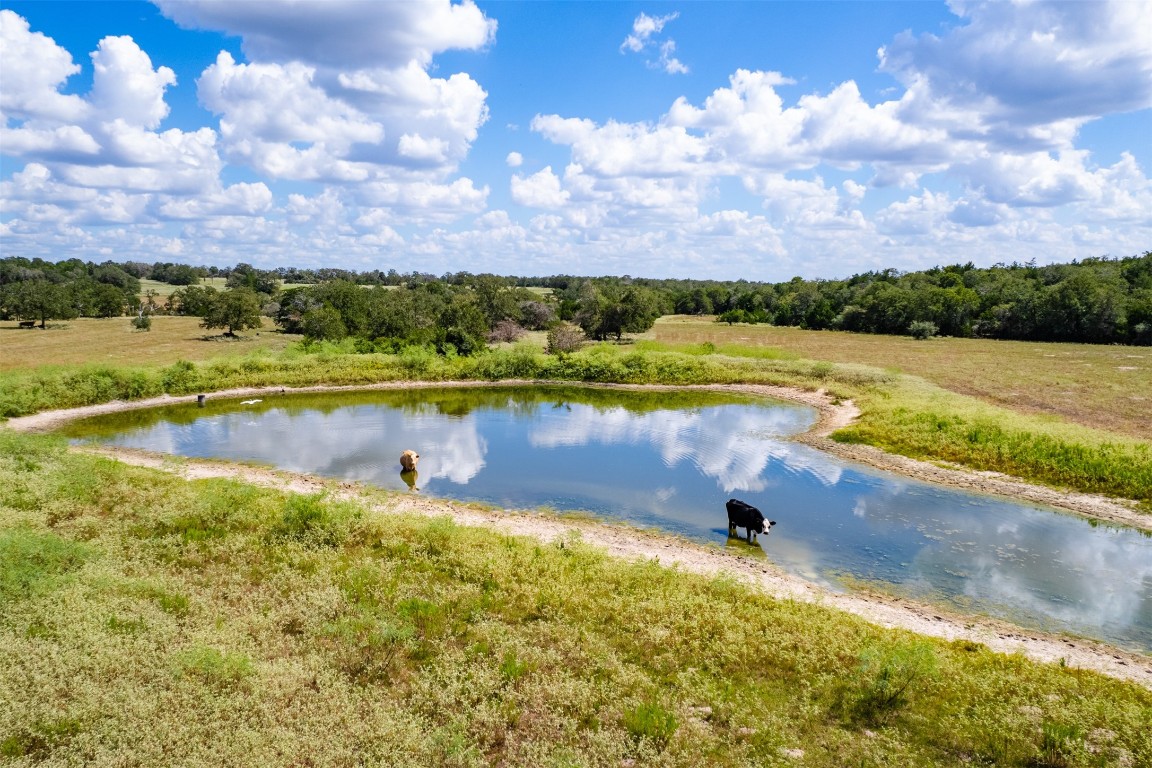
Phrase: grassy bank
(900, 414)
(148, 620)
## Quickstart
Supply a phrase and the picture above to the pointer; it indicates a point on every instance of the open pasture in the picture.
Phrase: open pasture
(114, 340)
(1100, 386)
(167, 289)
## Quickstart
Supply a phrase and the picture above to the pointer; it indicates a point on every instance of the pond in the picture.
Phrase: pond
(669, 460)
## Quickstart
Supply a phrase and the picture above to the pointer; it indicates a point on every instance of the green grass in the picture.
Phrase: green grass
(914, 418)
(210, 623)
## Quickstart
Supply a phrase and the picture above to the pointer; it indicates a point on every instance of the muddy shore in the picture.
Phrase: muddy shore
(622, 541)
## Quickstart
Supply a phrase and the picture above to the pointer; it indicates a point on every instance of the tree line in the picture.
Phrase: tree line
(1097, 300)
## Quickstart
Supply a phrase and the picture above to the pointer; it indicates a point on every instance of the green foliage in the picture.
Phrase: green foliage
(142, 322)
(39, 300)
(246, 277)
(182, 378)
(315, 521)
(922, 329)
(218, 669)
(38, 740)
(1061, 745)
(323, 324)
(195, 300)
(236, 310)
(649, 721)
(32, 562)
(885, 679)
(611, 309)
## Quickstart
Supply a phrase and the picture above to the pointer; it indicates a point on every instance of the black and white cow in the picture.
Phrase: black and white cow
(743, 515)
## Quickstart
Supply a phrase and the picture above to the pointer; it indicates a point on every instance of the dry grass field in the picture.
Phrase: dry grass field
(167, 289)
(1106, 387)
(114, 340)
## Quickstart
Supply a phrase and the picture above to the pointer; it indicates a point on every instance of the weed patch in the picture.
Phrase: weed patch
(34, 562)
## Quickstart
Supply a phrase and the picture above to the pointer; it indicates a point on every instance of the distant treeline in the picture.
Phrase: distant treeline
(1095, 300)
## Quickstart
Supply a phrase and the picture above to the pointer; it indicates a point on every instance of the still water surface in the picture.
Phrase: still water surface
(670, 460)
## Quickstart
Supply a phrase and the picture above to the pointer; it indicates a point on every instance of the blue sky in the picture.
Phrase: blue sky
(698, 139)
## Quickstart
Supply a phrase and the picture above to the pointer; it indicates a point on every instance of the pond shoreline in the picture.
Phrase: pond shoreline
(632, 543)
(833, 415)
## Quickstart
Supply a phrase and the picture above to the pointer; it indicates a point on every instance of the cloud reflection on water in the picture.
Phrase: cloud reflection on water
(733, 444)
(1057, 569)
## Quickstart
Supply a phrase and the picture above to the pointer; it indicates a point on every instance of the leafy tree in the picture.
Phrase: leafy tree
(348, 300)
(498, 298)
(613, 310)
(175, 274)
(41, 300)
(323, 323)
(293, 305)
(103, 300)
(235, 310)
(260, 281)
(407, 315)
(733, 316)
(194, 301)
(1089, 306)
(111, 274)
(462, 326)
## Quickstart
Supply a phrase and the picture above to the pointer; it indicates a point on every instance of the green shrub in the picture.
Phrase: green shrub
(32, 562)
(650, 722)
(922, 329)
(216, 668)
(314, 521)
(1061, 746)
(40, 739)
(885, 679)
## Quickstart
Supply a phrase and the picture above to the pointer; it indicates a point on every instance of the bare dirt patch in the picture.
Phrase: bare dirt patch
(623, 541)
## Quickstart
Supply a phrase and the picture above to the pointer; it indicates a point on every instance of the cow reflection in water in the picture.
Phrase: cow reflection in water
(408, 473)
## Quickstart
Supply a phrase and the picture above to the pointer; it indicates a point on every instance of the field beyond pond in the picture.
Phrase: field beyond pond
(1103, 386)
(113, 340)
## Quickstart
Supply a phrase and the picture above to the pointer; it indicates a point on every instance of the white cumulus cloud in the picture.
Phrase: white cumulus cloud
(645, 28)
(341, 33)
